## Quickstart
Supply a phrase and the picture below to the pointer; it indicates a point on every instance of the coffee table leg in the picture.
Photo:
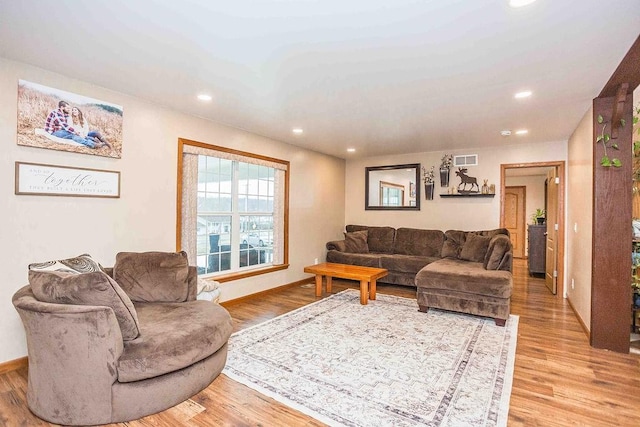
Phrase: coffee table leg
(329, 283)
(364, 288)
(318, 285)
(372, 289)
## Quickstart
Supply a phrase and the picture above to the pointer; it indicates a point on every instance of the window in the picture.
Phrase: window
(391, 194)
(232, 210)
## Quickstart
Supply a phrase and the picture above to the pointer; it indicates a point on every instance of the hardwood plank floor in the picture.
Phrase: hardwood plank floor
(558, 381)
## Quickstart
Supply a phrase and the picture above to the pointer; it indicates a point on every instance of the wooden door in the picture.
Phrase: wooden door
(551, 273)
(514, 217)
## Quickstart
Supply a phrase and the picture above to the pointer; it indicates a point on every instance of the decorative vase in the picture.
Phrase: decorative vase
(444, 177)
(485, 187)
(428, 190)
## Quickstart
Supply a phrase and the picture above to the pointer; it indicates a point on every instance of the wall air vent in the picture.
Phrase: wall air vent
(465, 160)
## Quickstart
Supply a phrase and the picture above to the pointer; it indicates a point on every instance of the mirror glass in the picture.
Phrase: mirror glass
(392, 187)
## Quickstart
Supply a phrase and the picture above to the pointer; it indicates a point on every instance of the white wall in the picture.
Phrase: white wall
(446, 213)
(580, 218)
(40, 228)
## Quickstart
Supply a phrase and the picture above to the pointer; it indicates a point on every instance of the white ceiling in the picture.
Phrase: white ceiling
(384, 77)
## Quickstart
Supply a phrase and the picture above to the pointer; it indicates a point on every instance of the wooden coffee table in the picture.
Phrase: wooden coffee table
(366, 275)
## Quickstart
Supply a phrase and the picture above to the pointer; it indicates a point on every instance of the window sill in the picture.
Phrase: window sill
(250, 273)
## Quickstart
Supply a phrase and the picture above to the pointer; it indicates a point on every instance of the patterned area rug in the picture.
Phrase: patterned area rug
(381, 364)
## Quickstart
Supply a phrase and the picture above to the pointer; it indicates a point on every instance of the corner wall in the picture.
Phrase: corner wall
(580, 218)
(40, 228)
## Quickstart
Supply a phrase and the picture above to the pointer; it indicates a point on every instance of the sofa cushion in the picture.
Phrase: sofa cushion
(464, 276)
(379, 239)
(454, 240)
(499, 246)
(405, 263)
(493, 232)
(337, 245)
(77, 265)
(153, 276)
(173, 336)
(411, 241)
(356, 242)
(364, 260)
(94, 288)
(475, 248)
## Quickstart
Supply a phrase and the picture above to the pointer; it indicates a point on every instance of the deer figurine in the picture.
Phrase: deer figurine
(466, 179)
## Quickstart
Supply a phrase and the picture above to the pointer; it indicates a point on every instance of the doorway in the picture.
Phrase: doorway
(543, 180)
(515, 208)
(551, 233)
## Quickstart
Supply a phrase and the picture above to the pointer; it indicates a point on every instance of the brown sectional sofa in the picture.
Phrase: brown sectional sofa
(464, 271)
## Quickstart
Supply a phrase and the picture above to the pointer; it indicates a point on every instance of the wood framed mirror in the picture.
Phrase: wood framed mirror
(393, 187)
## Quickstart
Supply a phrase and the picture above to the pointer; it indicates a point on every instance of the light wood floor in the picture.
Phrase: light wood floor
(559, 380)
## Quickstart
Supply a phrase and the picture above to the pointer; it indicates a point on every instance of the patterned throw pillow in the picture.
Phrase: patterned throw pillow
(78, 265)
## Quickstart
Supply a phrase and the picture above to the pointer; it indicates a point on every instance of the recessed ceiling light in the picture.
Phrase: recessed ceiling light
(505, 132)
(351, 150)
(520, 3)
(204, 97)
(297, 131)
(523, 94)
(522, 132)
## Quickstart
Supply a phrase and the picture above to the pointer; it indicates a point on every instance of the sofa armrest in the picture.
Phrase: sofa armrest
(337, 245)
(73, 354)
(507, 263)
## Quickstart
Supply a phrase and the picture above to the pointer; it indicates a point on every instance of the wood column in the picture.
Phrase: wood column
(611, 259)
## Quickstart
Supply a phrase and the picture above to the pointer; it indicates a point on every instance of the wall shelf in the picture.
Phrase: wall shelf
(468, 195)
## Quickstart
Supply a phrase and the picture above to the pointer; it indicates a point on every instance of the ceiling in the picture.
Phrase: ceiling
(383, 77)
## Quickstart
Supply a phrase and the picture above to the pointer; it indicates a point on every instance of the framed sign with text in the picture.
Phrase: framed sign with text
(50, 180)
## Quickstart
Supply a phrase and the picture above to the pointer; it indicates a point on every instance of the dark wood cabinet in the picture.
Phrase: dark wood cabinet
(537, 248)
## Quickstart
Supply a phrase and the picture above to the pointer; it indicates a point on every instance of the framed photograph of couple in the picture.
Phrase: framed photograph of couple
(59, 120)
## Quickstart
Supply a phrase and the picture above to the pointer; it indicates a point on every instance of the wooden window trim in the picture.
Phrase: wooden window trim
(240, 274)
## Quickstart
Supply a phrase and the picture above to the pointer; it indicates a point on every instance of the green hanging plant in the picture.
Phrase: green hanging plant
(605, 139)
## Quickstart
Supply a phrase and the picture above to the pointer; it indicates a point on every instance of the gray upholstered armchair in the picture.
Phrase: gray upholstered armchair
(118, 344)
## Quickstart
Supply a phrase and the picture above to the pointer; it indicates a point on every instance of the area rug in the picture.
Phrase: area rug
(380, 364)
